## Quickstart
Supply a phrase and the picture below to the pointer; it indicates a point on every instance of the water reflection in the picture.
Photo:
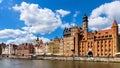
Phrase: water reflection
(14, 63)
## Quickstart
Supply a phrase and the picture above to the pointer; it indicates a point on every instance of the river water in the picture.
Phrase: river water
(15, 63)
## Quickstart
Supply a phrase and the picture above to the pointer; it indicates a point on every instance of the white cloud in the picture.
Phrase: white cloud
(29, 38)
(45, 40)
(1, 1)
(11, 33)
(66, 25)
(62, 12)
(103, 16)
(19, 36)
(38, 20)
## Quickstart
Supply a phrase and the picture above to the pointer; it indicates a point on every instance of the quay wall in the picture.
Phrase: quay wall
(91, 59)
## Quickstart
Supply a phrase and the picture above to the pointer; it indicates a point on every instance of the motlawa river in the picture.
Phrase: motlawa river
(18, 63)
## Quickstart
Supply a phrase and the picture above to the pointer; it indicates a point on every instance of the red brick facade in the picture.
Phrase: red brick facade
(80, 42)
(25, 49)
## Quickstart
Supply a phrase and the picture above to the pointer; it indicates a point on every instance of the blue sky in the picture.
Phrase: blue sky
(22, 21)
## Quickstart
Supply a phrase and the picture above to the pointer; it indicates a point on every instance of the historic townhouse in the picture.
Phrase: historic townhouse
(79, 41)
(54, 46)
(25, 49)
(40, 47)
(2, 48)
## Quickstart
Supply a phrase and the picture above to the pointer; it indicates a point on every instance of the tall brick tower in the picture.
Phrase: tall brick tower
(85, 26)
(115, 37)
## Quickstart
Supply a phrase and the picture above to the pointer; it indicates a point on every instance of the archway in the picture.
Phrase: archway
(90, 54)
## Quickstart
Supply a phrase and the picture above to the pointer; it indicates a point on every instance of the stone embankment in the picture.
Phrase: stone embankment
(89, 59)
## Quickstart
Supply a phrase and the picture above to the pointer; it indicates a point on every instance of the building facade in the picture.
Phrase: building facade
(2, 48)
(13, 49)
(61, 47)
(40, 47)
(25, 49)
(79, 41)
(54, 47)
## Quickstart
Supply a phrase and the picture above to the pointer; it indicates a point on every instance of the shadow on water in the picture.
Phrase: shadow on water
(15, 63)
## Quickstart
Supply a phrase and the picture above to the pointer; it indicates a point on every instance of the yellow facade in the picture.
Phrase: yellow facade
(54, 47)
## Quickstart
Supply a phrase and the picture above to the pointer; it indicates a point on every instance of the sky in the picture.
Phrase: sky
(22, 21)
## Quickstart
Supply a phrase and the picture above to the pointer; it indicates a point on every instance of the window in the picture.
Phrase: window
(106, 36)
(106, 32)
(101, 45)
(105, 49)
(101, 53)
(109, 54)
(105, 45)
(98, 42)
(109, 45)
(101, 49)
(101, 41)
(102, 36)
(110, 36)
(105, 41)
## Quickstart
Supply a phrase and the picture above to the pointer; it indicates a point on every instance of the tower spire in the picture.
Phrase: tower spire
(85, 22)
(114, 23)
(85, 18)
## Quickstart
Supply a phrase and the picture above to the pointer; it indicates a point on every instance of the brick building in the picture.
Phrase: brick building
(25, 49)
(61, 47)
(80, 42)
